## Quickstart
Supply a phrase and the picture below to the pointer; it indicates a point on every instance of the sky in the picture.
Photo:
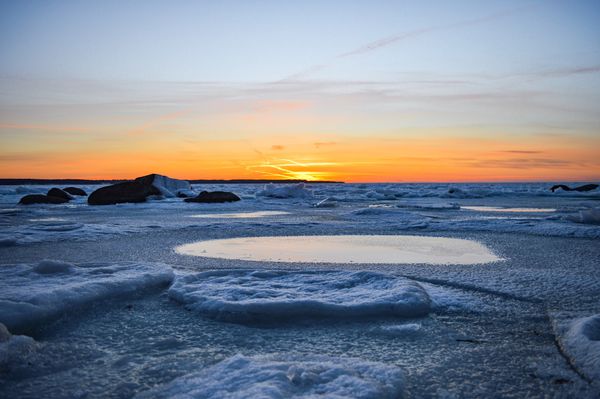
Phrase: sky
(358, 91)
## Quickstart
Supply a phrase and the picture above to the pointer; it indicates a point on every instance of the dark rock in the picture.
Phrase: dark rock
(138, 190)
(57, 192)
(75, 191)
(41, 199)
(129, 191)
(586, 187)
(214, 197)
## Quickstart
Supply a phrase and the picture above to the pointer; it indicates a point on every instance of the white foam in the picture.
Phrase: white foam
(407, 330)
(288, 376)
(30, 294)
(392, 249)
(244, 296)
(288, 191)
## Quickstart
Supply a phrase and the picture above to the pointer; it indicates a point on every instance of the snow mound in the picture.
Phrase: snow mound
(287, 377)
(30, 294)
(246, 296)
(288, 191)
(580, 340)
(169, 187)
(14, 348)
(52, 266)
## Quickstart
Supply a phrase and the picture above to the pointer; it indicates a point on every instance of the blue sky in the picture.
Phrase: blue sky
(344, 69)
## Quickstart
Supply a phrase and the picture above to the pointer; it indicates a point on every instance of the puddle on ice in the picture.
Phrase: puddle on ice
(345, 249)
(500, 209)
(241, 215)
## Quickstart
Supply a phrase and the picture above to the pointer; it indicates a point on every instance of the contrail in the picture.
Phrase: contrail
(387, 41)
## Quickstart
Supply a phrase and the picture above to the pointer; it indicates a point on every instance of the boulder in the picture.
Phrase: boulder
(75, 191)
(214, 197)
(584, 188)
(41, 199)
(57, 192)
(138, 190)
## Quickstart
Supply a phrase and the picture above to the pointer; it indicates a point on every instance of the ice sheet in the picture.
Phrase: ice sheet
(30, 294)
(246, 296)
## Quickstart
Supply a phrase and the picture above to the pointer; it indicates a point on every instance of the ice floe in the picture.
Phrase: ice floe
(30, 294)
(287, 376)
(287, 191)
(389, 249)
(247, 296)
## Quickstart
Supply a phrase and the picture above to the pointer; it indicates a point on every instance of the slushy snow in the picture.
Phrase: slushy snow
(30, 294)
(245, 296)
(287, 377)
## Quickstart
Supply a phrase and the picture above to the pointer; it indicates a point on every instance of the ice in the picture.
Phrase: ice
(171, 187)
(579, 338)
(287, 191)
(384, 249)
(14, 348)
(287, 376)
(407, 330)
(30, 294)
(510, 210)
(240, 215)
(247, 296)
(587, 216)
(326, 203)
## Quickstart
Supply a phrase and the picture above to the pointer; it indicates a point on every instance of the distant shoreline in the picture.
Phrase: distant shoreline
(12, 182)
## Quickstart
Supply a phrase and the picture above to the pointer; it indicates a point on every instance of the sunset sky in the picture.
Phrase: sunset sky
(345, 90)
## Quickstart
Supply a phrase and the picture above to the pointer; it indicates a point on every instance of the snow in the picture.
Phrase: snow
(30, 294)
(245, 296)
(287, 191)
(170, 187)
(381, 249)
(579, 337)
(287, 376)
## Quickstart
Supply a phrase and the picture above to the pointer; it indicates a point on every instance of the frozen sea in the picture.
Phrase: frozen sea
(323, 290)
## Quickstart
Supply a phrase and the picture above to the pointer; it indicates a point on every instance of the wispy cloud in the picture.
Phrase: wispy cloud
(277, 147)
(49, 128)
(393, 39)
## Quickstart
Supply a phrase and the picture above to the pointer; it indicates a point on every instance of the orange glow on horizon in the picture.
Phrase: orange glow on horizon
(429, 159)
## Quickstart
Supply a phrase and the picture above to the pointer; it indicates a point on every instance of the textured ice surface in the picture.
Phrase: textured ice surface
(513, 210)
(344, 249)
(30, 294)
(287, 376)
(287, 191)
(579, 338)
(265, 295)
